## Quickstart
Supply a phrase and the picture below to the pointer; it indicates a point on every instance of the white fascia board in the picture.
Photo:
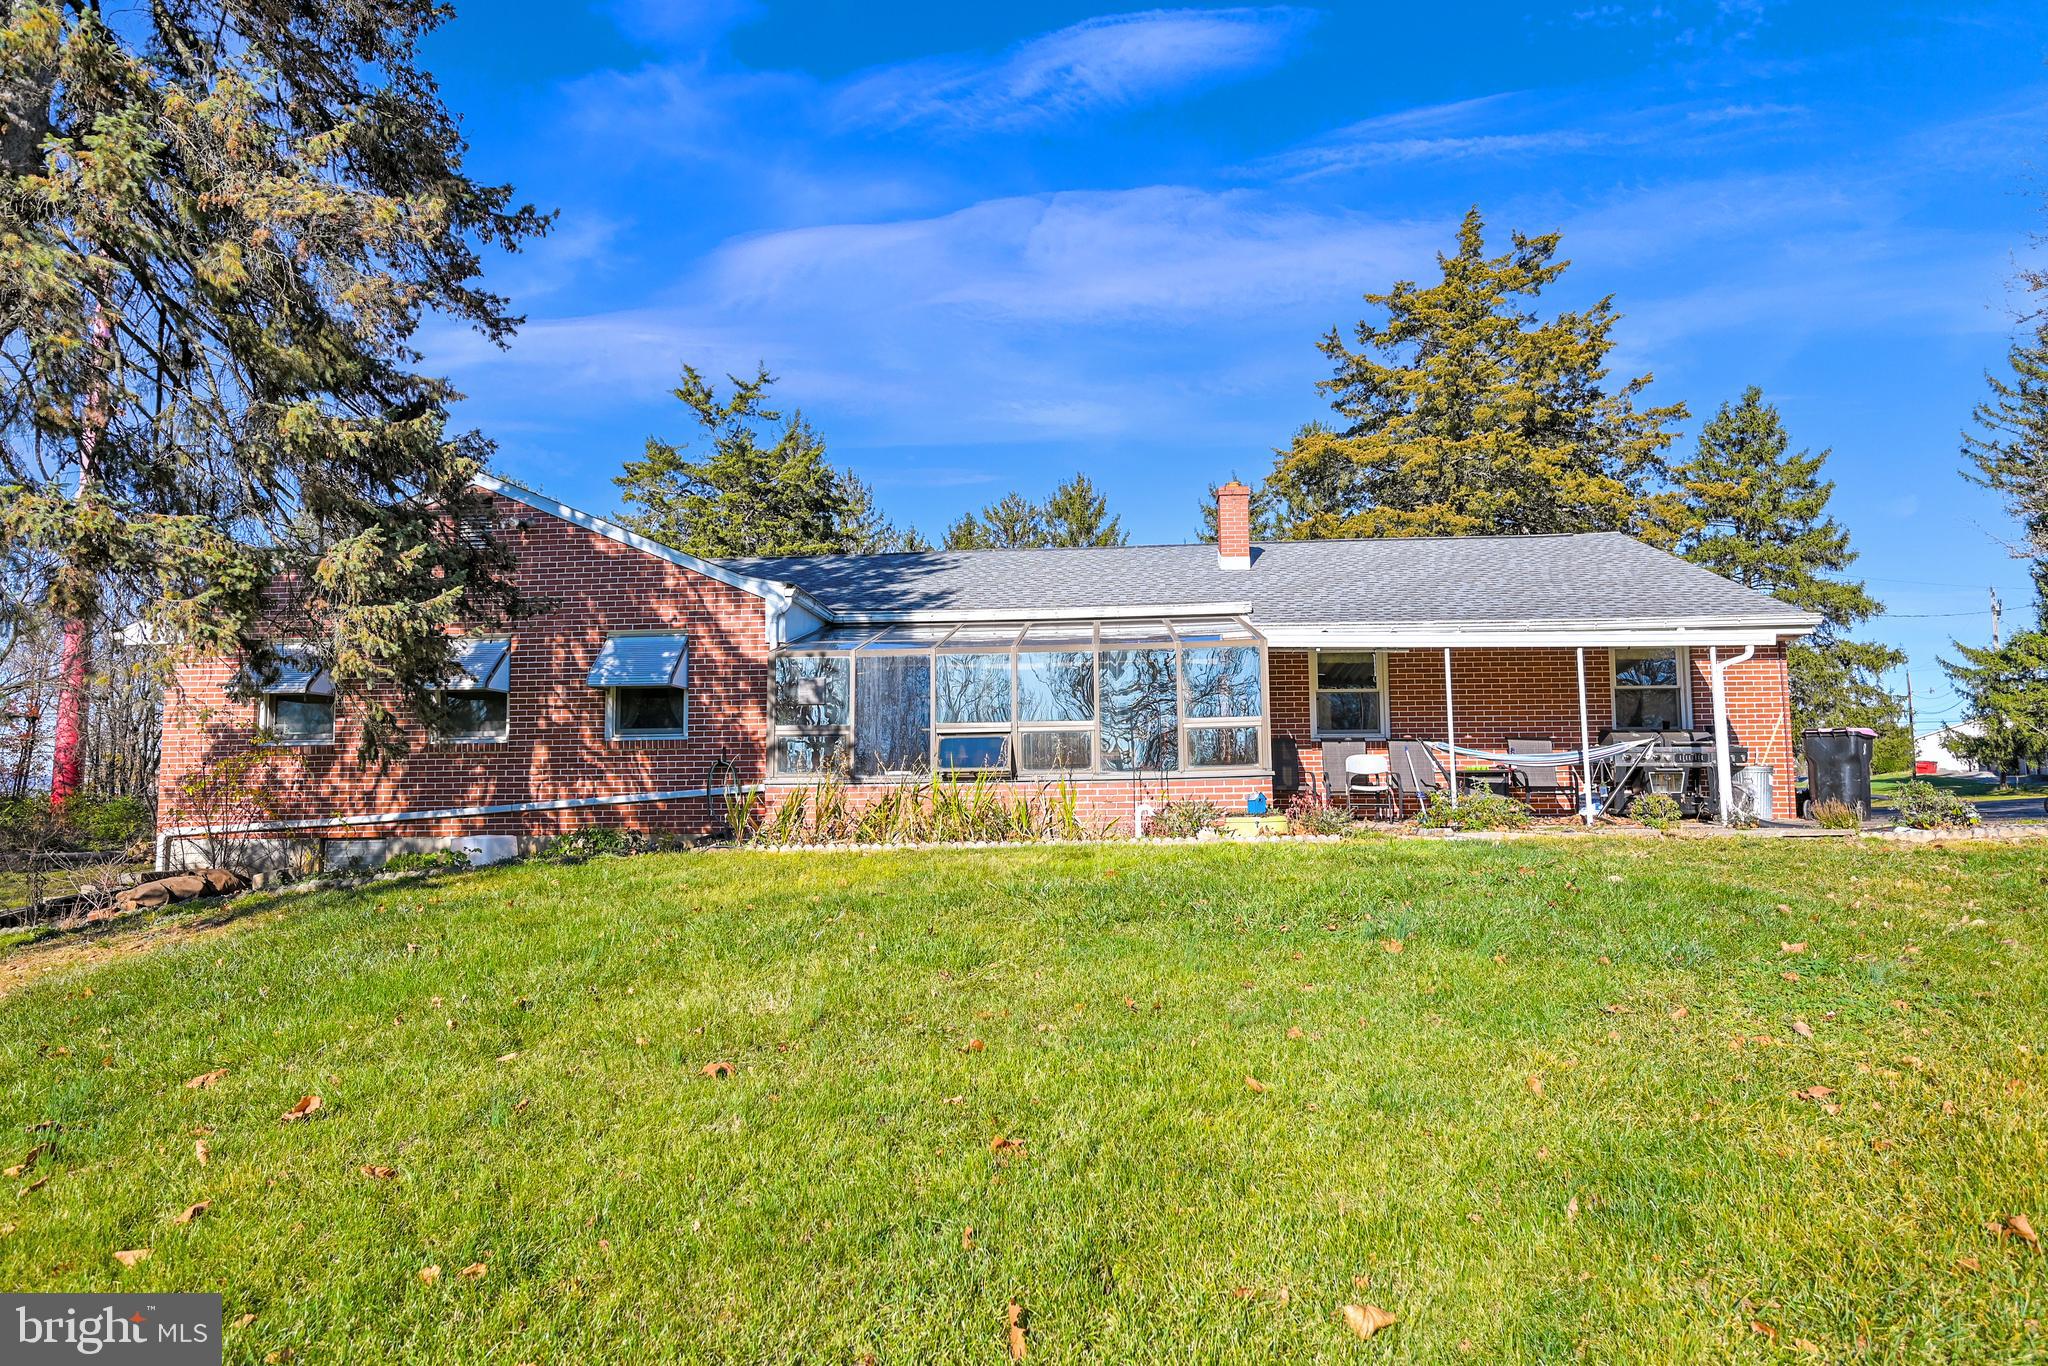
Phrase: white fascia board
(780, 597)
(1141, 612)
(1505, 634)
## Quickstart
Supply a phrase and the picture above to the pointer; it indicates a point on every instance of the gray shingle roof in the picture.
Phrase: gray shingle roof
(1599, 576)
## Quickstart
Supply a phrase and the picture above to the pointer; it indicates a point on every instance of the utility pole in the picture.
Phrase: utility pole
(1996, 609)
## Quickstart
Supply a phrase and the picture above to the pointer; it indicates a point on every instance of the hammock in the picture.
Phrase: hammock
(1562, 758)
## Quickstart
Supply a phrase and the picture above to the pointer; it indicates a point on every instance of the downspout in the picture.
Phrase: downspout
(1724, 773)
(1585, 746)
(1451, 727)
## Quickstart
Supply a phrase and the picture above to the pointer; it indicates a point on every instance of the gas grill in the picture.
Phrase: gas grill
(1677, 763)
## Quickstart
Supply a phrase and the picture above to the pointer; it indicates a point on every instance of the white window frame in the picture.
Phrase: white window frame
(1315, 691)
(779, 733)
(506, 692)
(612, 733)
(266, 719)
(1614, 686)
(266, 714)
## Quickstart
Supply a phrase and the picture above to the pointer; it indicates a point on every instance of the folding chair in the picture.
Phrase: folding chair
(1370, 777)
(1415, 772)
(1536, 781)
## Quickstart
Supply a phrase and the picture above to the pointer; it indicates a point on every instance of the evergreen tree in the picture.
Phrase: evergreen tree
(1757, 514)
(221, 225)
(761, 487)
(2006, 692)
(2010, 452)
(1075, 515)
(1464, 413)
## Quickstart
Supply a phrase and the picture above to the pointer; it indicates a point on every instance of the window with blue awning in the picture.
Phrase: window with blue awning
(294, 672)
(481, 666)
(642, 662)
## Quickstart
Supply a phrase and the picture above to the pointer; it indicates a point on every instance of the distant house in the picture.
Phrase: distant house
(1138, 674)
(1934, 748)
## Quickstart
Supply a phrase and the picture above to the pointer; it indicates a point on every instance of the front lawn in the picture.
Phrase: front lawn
(1885, 787)
(1539, 1100)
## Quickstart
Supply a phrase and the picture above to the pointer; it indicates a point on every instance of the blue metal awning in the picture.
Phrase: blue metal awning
(294, 672)
(642, 662)
(481, 666)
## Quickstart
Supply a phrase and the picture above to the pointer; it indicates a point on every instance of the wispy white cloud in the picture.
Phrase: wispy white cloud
(1106, 63)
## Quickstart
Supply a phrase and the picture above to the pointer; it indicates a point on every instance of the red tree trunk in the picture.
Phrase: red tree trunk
(74, 664)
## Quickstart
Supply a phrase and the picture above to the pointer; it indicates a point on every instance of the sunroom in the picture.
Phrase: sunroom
(1029, 700)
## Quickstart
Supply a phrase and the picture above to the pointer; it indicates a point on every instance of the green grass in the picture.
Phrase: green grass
(525, 1047)
(1885, 786)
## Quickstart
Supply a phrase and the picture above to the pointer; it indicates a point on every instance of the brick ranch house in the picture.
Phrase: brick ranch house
(1140, 674)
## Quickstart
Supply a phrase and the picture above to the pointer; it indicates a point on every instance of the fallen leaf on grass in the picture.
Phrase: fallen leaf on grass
(1571, 1209)
(1806, 1347)
(973, 1046)
(1392, 945)
(306, 1106)
(430, 1275)
(1784, 948)
(205, 1079)
(507, 1057)
(1802, 1029)
(245, 1320)
(1679, 1012)
(1014, 1320)
(28, 1161)
(376, 1173)
(1254, 1085)
(2020, 1227)
(999, 1144)
(1535, 1085)
(473, 1272)
(967, 1239)
(201, 1151)
(1758, 1326)
(1294, 1031)
(1366, 1319)
(1968, 1264)
(192, 1212)
(716, 1069)
(1789, 976)
(132, 1255)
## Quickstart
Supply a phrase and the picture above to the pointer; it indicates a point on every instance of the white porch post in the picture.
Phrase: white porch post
(1585, 746)
(1724, 769)
(1451, 725)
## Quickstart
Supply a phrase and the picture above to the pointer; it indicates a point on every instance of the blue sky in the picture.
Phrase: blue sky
(984, 246)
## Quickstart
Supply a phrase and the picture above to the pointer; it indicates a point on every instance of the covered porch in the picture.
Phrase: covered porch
(1707, 701)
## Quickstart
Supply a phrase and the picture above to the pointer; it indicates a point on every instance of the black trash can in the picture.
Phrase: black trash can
(1838, 767)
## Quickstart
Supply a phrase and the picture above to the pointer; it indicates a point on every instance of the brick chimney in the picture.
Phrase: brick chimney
(1233, 526)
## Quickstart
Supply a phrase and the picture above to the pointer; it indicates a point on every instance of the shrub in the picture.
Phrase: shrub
(593, 841)
(1658, 810)
(1474, 811)
(1833, 815)
(428, 861)
(1923, 806)
(109, 822)
(1313, 813)
(1183, 820)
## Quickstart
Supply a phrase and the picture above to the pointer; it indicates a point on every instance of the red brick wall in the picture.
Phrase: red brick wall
(1534, 692)
(557, 747)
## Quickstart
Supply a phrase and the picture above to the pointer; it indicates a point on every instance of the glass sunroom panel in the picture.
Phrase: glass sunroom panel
(975, 752)
(974, 689)
(892, 730)
(1223, 746)
(810, 754)
(1223, 681)
(1140, 710)
(1056, 685)
(812, 690)
(1056, 751)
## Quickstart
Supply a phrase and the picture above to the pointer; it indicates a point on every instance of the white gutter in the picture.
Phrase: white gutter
(1482, 635)
(1717, 669)
(441, 813)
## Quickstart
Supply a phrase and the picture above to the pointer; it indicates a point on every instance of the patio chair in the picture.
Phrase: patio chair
(1534, 782)
(1415, 772)
(1370, 778)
